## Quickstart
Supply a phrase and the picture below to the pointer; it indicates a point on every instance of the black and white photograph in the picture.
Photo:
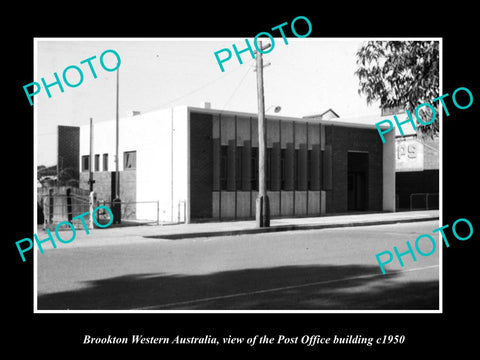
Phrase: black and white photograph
(209, 181)
(238, 187)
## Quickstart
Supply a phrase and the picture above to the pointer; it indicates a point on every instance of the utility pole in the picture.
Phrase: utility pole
(117, 174)
(262, 215)
(90, 168)
(117, 203)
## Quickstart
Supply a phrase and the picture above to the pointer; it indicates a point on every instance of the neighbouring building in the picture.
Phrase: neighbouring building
(58, 196)
(65, 172)
(417, 170)
(68, 148)
(202, 164)
(417, 176)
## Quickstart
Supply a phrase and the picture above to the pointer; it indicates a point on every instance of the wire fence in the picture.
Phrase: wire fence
(61, 204)
(60, 207)
(136, 211)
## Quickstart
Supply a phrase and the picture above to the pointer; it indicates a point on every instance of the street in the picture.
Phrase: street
(327, 269)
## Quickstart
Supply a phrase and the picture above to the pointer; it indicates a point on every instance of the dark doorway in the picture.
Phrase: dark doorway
(113, 185)
(357, 181)
(69, 204)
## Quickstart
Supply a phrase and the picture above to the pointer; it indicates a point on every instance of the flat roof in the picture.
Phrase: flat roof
(337, 122)
(366, 122)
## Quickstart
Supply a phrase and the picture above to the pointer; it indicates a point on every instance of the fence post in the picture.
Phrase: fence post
(117, 211)
(178, 207)
(46, 210)
(93, 205)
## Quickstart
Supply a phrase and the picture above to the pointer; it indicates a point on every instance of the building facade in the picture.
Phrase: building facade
(417, 167)
(417, 164)
(202, 164)
(67, 152)
(417, 172)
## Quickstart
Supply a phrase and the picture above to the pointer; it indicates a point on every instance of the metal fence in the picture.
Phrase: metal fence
(57, 208)
(136, 211)
(182, 211)
(59, 204)
(424, 201)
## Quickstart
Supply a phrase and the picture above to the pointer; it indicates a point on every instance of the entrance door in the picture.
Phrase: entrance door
(357, 181)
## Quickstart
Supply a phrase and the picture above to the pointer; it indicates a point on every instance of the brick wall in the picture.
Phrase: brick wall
(101, 186)
(339, 140)
(430, 153)
(344, 139)
(128, 185)
(68, 149)
(104, 186)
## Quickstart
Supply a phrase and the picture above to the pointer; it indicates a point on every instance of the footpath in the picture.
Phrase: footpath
(115, 234)
(289, 224)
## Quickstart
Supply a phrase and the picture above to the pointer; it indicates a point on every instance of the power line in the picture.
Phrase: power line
(194, 90)
(236, 88)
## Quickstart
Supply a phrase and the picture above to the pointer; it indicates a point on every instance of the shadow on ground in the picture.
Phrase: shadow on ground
(352, 287)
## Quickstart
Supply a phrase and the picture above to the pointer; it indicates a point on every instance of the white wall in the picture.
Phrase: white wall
(150, 135)
(181, 176)
(153, 141)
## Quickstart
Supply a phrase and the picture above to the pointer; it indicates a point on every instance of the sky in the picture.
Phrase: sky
(306, 76)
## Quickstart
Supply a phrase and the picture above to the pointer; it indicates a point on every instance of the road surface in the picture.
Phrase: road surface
(329, 269)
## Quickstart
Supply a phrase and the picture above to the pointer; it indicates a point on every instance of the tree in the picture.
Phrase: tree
(66, 176)
(401, 73)
(40, 169)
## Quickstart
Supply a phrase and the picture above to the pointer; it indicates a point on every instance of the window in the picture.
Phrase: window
(268, 168)
(314, 171)
(254, 168)
(283, 154)
(239, 168)
(105, 162)
(223, 167)
(301, 168)
(97, 162)
(309, 170)
(129, 160)
(296, 170)
(85, 163)
(274, 167)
